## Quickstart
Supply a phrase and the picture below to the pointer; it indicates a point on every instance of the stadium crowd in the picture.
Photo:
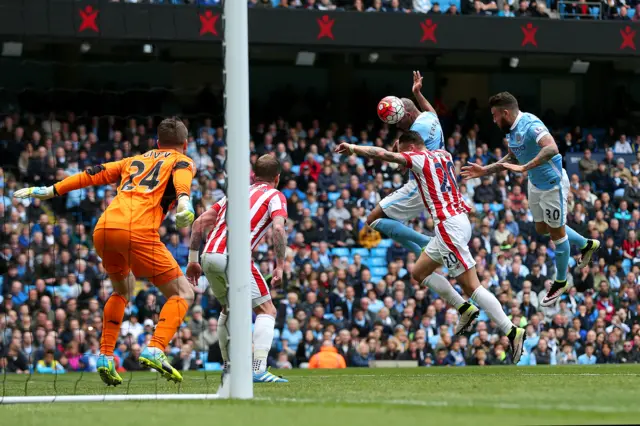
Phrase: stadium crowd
(604, 9)
(346, 297)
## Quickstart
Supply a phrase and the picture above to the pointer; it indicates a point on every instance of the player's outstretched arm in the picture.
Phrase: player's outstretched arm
(372, 152)
(417, 93)
(473, 170)
(97, 175)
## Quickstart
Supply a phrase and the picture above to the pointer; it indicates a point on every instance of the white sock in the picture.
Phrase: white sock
(492, 307)
(440, 285)
(223, 337)
(262, 339)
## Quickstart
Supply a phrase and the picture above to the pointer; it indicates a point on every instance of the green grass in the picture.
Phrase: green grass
(353, 397)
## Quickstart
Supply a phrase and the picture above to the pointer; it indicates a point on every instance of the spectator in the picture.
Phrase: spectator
(588, 357)
(132, 363)
(327, 357)
(48, 365)
(506, 11)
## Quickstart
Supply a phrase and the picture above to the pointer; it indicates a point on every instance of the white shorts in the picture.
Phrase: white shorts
(214, 266)
(550, 205)
(404, 204)
(450, 246)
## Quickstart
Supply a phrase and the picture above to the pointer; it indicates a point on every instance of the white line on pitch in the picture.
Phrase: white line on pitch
(470, 404)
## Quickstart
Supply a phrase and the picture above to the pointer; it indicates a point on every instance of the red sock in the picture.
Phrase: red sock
(171, 317)
(111, 321)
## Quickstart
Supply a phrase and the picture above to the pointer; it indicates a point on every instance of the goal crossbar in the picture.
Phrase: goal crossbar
(107, 398)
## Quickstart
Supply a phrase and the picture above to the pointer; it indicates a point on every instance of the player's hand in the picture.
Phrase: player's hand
(472, 171)
(40, 192)
(194, 272)
(518, 168)
(417, 82)
(344, 148)
(185, 213)
(276, 277)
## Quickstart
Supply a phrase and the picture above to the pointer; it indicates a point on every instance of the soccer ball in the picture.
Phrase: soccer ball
(390, 109)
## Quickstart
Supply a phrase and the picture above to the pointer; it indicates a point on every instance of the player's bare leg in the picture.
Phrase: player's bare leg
(112, 319)
(262, 339)
(180, 296)
(424, 272)
(397, 231)
(471, 286)
(223, 336)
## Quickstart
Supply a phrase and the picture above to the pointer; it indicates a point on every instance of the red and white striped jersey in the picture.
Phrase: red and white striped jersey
(436, 177)
(265, 203)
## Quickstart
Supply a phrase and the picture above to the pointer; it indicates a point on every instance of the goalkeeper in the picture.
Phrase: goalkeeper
(126, 238)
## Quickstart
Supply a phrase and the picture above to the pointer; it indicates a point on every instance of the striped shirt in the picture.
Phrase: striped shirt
(265, 203)
(436, 176)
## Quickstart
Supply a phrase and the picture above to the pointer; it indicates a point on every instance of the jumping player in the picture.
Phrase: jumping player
(405, 203)
(436, 182)
(126, 238)
(532, 149)
(268, 208)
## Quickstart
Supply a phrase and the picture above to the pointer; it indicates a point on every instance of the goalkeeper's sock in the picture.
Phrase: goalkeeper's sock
(171, 317)
(111, 322)
(223, 337)
(262, 339)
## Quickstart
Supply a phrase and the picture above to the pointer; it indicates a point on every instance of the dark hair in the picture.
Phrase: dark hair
(267, 168)
(503, 100)
(411, 137)
(172, 132)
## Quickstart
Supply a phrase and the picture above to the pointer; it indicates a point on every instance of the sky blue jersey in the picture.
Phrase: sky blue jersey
(428, 125)
(527, 130)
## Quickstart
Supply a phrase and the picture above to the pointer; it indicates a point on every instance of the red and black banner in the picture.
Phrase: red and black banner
(102, 19)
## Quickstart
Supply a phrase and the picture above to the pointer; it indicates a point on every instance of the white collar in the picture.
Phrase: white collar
(515, 122)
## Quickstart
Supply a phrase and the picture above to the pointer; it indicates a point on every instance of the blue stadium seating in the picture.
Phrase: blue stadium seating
(333, 196)
(376, 261)
(212, 366)
(379, 271)
(386, 243)
(361, 251)
(379, 252)
(295, 169)
(340, 251)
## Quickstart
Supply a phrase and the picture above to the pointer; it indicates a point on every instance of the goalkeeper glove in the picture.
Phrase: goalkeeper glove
(185, 214)
(40, 192)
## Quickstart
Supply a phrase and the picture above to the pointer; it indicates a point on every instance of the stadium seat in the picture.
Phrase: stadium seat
(479, 207)
(361, 251)
(631, 12)
(376, 261)
(379, 252)
(375, 278)
(497, 207)
(386, 243)
(295, 169)
(333, 196)
(379, 271)
(212, 366)
(340, 251)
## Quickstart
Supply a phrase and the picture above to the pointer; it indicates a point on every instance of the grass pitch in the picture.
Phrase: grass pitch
(353, 397)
